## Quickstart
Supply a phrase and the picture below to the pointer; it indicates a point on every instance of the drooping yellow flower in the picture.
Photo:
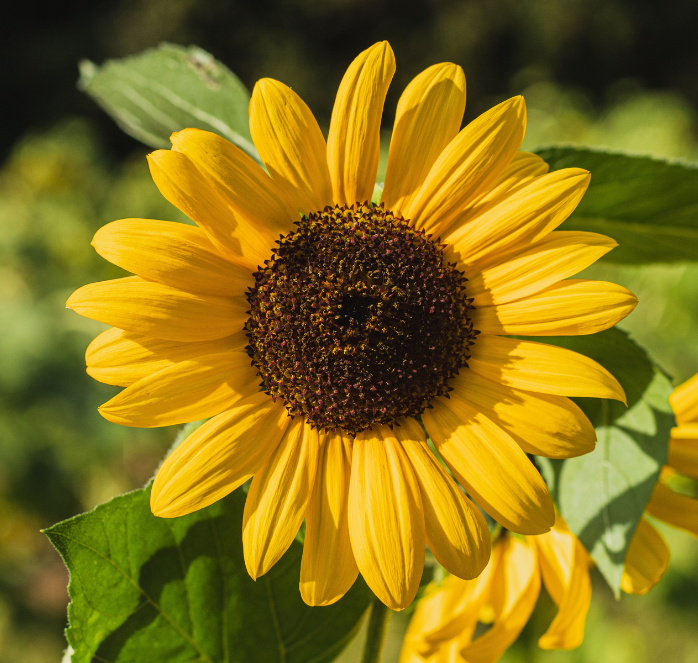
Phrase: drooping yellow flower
(442, 629)
(648, 555)
(356, 319)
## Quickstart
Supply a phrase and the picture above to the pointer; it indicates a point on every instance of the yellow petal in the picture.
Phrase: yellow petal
(683, 451)
(386, 523)
(219, 456)
(674, 509)
(469, 165)
(252, 194)
(523, 216)
(328, 568)
(121, 358)
(433, 610)
(465, 600)
(559, 255)
(551, 426)
(278, 497)
(428, 117)
(353, 144)
(684, 401)
(153, 309)
(182, 184)
(524, 167)
(570, 308)
(291, 145)
(173, 254)
(541, 367)
(565, 567)
(456, 531)
(646, 560)
(448, 614)
(190, 390)
(489, 464)
(520, 586)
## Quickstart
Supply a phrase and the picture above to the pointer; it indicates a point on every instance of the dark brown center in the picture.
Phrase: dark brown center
(357, 319)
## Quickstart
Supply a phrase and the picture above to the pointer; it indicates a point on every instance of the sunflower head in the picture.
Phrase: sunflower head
(323, 359)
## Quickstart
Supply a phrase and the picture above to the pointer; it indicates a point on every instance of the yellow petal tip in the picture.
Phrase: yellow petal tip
(70, 302)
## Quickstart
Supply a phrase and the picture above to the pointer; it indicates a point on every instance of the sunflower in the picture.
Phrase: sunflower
(648, 555)
(356, 319)
(443, 627)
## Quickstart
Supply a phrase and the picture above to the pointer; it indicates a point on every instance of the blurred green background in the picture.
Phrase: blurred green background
(623, 74)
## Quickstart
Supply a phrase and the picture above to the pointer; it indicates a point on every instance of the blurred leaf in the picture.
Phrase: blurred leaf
(147, 588)
(169, 88)
(649, 206)
(602, 495)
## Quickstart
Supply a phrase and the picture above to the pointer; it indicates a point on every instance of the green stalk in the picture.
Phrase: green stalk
(377, 626)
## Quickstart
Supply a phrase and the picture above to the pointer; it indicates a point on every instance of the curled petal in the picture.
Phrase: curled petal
(646, 560)
(448, 615)
(683, 450)
(565, 568)
(515, 592)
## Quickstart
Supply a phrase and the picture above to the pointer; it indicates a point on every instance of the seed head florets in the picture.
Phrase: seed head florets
(357, 320)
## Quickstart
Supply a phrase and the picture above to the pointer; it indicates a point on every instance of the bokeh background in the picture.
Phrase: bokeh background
(618, 73)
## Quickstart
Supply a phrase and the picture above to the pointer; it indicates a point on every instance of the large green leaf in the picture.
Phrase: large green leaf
(151, 589)
(649, 206)
(167, 89)
(602, 495)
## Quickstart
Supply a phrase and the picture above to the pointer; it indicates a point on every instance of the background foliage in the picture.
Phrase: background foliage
(615, 73)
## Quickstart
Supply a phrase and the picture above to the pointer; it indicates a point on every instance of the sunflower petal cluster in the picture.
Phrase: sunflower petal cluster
(373, 496)
(446, 623)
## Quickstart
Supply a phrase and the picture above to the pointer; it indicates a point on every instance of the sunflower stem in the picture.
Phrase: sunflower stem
(377, 627)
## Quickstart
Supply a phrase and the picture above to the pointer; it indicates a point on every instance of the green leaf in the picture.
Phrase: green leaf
(152, 589)
(602, 495)
(169, 88)
(649, 206)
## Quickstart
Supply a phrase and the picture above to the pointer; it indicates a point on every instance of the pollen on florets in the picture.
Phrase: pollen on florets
(357, 319)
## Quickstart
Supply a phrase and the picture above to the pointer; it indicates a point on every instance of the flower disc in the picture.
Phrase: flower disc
(357, 320)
